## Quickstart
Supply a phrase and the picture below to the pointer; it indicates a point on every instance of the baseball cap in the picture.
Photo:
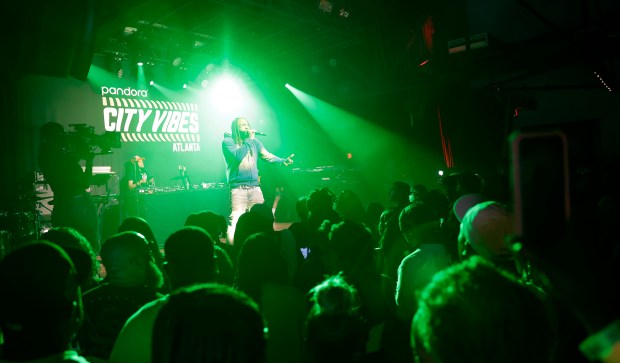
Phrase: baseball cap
(465, 202)
(138, 158)
(485, 227)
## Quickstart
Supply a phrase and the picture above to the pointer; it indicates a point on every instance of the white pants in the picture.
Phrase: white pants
(242, 198)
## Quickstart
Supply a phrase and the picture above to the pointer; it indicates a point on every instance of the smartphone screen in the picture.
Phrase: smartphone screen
(540, 186)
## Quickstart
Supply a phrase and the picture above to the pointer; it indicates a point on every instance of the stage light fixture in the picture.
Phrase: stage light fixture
(326, 6)
(129, 30)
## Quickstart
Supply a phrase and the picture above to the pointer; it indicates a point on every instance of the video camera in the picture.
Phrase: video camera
(83, 140)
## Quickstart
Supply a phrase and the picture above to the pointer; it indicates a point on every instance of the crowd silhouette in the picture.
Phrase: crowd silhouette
(438, 275)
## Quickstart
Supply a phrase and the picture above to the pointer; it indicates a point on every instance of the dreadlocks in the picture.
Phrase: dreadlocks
(235, 130)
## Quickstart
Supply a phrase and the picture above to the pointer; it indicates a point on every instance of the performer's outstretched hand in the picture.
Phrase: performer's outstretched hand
(289, 160)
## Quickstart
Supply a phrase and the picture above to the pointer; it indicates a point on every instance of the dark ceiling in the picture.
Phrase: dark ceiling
(377, 47)
(378, 41)
(269, 36)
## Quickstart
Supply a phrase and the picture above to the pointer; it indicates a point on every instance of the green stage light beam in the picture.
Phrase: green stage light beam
(352, 133)
(141, 80)
(98, 77)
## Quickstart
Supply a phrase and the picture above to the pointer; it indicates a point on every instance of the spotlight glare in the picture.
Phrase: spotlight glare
(151, 83)
(129, 30)
(226, 93)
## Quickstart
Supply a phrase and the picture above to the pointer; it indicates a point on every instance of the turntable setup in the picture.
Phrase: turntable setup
(174, 189)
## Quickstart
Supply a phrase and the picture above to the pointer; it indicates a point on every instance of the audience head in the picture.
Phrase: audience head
(209, 323)
(465, 202)
(128, 261)
(417, 192)
(190, 257)
(417, 223)
(41, 306)
(320, 203)
(213, 223)
(140, 225)
(80, 251)
(438, 201)
(350, 247)
(475, 312)
(399, 193)
(260, 262)
(248, 224)
(349, 206)
(333, 296)
(335, 330)
(137, 224)
(458, 184)
(388, 220)
(264, 211)
(484, 229)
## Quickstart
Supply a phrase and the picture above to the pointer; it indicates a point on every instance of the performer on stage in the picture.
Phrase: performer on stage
(60, 160)
(136, 180)
(241, 152)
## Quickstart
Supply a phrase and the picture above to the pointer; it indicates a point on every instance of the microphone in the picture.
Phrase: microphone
(228, 134)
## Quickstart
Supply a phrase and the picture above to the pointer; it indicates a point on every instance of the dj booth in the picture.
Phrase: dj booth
(167, 209)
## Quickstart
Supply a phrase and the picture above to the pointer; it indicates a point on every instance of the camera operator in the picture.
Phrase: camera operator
(60, 162)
